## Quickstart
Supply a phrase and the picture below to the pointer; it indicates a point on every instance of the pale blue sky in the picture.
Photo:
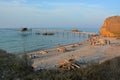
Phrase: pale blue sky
(54, 13)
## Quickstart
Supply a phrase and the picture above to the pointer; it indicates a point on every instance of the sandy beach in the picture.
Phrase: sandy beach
(84, 51)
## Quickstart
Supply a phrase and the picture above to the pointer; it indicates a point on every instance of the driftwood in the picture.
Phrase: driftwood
(68, 64)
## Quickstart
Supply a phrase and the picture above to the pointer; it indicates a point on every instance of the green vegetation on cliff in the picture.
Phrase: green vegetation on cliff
(13, 67)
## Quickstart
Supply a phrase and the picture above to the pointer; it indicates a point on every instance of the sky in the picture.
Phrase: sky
(56, 13)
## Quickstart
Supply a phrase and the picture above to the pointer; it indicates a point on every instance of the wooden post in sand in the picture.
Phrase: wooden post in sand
(73, 34)
(63, 34)
(84, 34)
(89, 35)
(67, 35)
(57, 34)
(79, 35)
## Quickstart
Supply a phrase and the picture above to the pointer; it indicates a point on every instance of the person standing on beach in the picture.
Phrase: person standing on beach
(106, 41)
(58, 47)
(109, 42)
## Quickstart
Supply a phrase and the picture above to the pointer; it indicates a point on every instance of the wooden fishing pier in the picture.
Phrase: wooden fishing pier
(66, 31)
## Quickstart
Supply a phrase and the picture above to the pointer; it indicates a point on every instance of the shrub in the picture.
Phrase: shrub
(13, 68)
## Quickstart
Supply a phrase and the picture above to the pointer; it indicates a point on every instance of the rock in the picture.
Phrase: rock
(23, 29)
(48, 33)
(111, 27)
(75, 30)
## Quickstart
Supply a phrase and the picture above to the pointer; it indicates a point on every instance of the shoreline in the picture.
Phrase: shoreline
(82, 52)
(52, 54)
(53, 51)
(53, 48)
(65, 45)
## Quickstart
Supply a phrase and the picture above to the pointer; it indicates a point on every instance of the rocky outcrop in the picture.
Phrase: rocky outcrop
(111, 27)
(23, 29)
(75, 30)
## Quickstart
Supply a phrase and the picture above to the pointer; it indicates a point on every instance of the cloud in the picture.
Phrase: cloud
(20, 12)
(15, 1)
(18, 1)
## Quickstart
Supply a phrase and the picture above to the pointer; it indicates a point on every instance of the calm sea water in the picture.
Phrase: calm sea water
(14, 41)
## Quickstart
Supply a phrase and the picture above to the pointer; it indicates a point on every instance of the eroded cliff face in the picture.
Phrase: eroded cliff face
(111, 27)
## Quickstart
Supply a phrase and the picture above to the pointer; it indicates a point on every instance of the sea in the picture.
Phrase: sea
(14, 41)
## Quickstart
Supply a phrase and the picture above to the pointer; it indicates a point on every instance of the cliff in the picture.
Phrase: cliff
(111, 27)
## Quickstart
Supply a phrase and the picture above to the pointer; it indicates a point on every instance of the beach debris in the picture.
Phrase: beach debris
(37, 54)
(38, 68)
(48, 33)
(43, 52)
(32, 56)
(70, 64)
